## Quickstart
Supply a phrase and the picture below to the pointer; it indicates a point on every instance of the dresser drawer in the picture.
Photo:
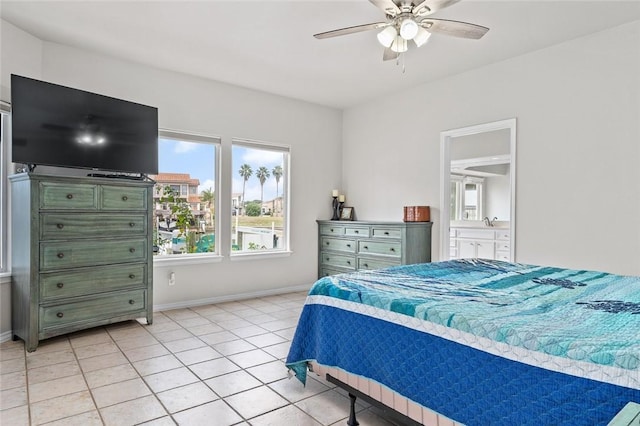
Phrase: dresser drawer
(123, 198)
(67, 196)
(70, 225)
(339, 244)
(387, 248)
(477, 234)
(364, 263)
(101, 307)
(331, 230)
(386, 232)
(357, 231)
(327, 271)
(339, 260)
(503, 235)
(84, 281)
(502, 245)
(71, 254)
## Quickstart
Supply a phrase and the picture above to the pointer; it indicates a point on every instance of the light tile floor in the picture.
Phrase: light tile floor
(216, 365)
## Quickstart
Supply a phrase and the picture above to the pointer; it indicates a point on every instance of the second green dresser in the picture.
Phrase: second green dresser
(345, 246)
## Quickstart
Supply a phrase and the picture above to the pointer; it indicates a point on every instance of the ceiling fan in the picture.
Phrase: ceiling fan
(409, 20)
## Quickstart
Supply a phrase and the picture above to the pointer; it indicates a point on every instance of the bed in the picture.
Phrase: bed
(477, 342)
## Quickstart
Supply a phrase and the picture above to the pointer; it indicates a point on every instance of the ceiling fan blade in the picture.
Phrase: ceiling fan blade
(387, 6)
(454, 28)
(389, 54)
(350, 30)
(427, 7)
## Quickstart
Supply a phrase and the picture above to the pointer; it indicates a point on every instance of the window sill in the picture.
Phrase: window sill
(253, 256)
(185, 259)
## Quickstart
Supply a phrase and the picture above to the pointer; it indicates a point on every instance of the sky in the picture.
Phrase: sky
(198, 159)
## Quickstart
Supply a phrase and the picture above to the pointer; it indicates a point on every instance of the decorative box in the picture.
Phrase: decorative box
(417, 214)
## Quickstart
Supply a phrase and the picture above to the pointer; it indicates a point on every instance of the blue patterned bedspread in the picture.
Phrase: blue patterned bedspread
(575, 323)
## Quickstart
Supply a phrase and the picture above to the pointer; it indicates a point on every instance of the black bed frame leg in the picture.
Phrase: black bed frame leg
(352, 415)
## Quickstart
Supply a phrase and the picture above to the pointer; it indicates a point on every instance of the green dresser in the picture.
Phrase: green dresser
(345, 246)
(81, 254)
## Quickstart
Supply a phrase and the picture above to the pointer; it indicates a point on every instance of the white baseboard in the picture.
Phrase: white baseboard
(229, 298)
(209, 301)
(6, 336)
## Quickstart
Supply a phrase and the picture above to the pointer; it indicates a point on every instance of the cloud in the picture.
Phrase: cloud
(262, 158)
(184, 147)
(207, 184)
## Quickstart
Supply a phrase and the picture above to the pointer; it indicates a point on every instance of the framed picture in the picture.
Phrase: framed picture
(346, 213)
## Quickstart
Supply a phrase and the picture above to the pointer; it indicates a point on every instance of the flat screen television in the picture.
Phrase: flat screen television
(55, 125)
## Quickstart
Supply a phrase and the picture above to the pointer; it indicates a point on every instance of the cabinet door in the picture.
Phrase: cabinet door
(467, 249)
(485, 249)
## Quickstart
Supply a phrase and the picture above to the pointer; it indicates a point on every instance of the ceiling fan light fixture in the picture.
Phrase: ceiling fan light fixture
(387, 36)
(422, 37)
(399, 45)
(408, 29)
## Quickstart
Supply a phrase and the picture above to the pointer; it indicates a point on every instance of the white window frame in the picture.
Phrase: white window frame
(286, 195)
(5, 109)
(197, 258)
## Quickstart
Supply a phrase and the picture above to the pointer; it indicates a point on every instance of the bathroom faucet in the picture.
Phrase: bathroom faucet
(489, 222)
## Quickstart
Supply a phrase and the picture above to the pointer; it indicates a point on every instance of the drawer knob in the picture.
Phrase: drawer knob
(131, 301)
(124, 198)
(60, 255)
(366, 247)
(348, 262)
(132, 224)
(392, 249)
(69, 196)
(60, 225)
(386, 232)
(327, 243)
(366, 265)
(132, 276)
(357, 232)
(348, 245)
(132, 250)
(59, 314)
(60, 285)
(331, 230)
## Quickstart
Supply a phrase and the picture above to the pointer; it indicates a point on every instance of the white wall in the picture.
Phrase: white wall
(578, 150)
(193, 104)
(497, 193)
(21, 53)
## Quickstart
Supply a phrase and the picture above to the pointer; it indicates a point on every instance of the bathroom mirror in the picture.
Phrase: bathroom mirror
(477, 203)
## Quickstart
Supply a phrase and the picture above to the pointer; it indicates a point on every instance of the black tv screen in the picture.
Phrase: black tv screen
(55, 125)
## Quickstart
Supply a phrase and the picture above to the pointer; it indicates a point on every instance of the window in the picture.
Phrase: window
(185, 194)
(466, 198)
(4, 165)
(259, 197)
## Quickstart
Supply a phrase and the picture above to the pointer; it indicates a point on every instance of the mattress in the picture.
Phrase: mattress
(482, 342)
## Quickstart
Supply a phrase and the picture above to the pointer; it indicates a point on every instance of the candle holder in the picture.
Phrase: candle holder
(336, 209)
(340, 204)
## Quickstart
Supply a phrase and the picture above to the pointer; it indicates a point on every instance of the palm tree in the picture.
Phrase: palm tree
(262, 174)
(207, 196)
(245, 171)
(277, 173)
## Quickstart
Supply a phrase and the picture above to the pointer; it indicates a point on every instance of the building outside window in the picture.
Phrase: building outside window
(184, 195)
(260, 192)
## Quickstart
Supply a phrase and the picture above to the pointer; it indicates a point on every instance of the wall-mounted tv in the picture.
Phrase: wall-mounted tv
(55, 125)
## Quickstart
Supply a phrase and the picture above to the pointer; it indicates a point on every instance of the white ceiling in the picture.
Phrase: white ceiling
(267, 45)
